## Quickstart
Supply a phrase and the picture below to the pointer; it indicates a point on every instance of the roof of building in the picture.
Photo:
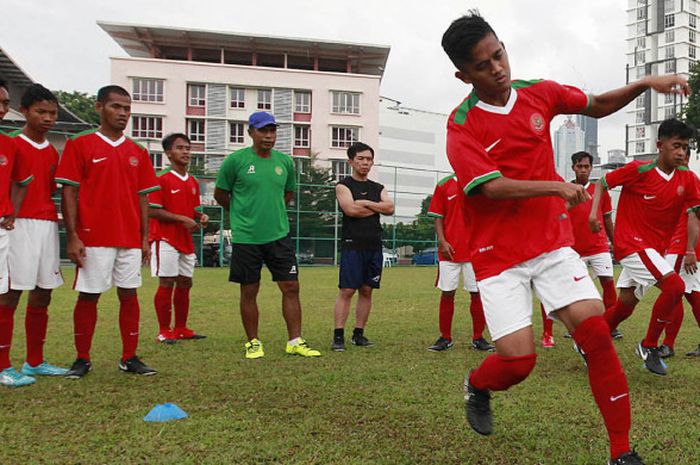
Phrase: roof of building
(143, 41)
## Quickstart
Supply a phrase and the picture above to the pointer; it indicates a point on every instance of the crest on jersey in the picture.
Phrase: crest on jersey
(3, 160)
(194, 191)
(133, 161)
(251, 169)
(680, 190)
(278, 170)
(537, 122)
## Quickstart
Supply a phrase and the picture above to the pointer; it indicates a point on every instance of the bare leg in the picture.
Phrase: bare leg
(249, 309)
(291, 307)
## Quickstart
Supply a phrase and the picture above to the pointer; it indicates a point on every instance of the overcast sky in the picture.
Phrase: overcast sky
(59, 44)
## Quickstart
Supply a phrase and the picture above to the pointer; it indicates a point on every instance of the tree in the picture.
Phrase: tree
(80, 104)
(691, 111)
(420, 233)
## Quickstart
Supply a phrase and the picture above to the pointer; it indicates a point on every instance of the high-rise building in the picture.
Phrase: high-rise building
(661, 39)
(568, 139)
(616, 156)
(589, 126)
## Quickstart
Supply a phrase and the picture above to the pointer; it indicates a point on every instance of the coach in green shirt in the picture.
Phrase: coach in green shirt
(255, 184)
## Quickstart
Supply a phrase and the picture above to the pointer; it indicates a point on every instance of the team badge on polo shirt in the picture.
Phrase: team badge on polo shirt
(251, 169)
(278, 170)
(133, 161)
(537, 122)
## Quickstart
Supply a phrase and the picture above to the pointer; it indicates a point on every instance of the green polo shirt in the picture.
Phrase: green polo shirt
(257, 186)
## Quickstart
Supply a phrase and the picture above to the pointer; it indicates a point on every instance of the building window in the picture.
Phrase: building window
(639, 101)
(669, 6)
(691, 36)
(264, 99)
(341, 169)
(640, 56)
(692, 6)
(156, 160)
(693, 21)
(670, 66)
(670, 36)
(641, 42)
(302, 102)
(346, 102)
(237, 97)
(641, 13)
(641, 72)
(147, 127)
(641, 28)
(639, 117)
(670, 112)
(670, 51)
(195, 130)
(691, 51)
(668, 98)
(669, 21)
(147, 90)
(641, 132)
(342, 137)
(197, 95)
(237, 133)
(301, 137)
(639, 146)
(301, 164)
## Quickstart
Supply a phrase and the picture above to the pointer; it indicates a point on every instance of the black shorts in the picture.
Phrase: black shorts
(247, 261)
(360, 268)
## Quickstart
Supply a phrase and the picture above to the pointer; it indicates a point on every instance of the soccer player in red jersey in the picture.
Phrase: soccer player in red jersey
(15, 175)
(654, 196)
(106, 177)
(174, 214)
(452, 228)
(499, 146)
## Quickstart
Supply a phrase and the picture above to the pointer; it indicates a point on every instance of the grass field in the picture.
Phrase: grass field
(395, 403)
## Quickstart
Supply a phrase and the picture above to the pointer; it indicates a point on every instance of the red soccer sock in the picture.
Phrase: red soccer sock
(497, 373)
(163, 302)
(607, 380)
(35, 322)
(672, 288)
(674, 326)
(84, 321)
(694, 300)
(7, 324)
(447, 311)
(182, 306)
(478, 320)
(547, 324)
(129, 313)
(609, 293)
(617, 314)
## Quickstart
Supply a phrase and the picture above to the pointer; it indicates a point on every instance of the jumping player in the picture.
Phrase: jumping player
(453, 229)
(174, 216)
(654, 196)
(362, 201)
(499, 145)
(15, 175)
(106, 177)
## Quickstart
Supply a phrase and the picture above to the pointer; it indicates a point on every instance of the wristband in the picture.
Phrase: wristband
(689, 251)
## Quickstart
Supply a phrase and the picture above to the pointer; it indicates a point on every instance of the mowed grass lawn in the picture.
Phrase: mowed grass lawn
(395, 403)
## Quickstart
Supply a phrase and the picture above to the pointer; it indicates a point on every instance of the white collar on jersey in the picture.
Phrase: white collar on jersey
(500, 110)
(113, 143)
(181, 177)
(37, 146)
(667, 177)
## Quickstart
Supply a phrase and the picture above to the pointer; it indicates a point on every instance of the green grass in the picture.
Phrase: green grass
(394, 403)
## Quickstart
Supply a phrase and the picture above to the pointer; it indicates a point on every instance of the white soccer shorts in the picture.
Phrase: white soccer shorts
(34, 258)
(601, 264)
(104, 267)
(559, 278)
(448, 276)
(168, 262)
(691, 280)
(642, 270)
(4, 250)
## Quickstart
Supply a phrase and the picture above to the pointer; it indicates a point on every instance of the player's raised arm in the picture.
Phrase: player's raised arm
(503, 188)
(611, 101)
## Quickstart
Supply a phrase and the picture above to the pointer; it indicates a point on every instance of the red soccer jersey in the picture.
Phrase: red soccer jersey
(679, 240)
(14, 167)
(448, 203)
(485, 142)
(110, 175)
(179, 195)
(651, 204)
(44, 158)
(586, 242)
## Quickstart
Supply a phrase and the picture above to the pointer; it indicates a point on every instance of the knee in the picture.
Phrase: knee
(40, 298)
(290, 288)
(366, 291)
(184, 282)
(673, 284)
(592, 334)
(126, 294)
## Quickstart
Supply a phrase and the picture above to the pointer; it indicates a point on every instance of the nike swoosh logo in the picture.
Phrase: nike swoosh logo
(488, 149)
(97, 160)
(363, 193)
(649, 197)
(616, 398)
(451, 197)
(175, 191)
(644, 354)
(579, 278)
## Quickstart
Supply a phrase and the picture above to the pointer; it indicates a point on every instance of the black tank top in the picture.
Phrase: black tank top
(362, 233)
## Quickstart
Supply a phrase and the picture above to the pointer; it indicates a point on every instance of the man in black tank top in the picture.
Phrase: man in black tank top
(361, 258)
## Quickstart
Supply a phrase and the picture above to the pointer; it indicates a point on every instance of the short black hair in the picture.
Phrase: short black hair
(461, 37)
(358, 147)
(578, 156)
(3, 83)
(170, 139)
(103, 93)
(37, 93)
(675, 128)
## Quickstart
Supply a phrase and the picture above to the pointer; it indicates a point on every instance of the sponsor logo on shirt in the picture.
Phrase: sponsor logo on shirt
(97, 160)
(133, 161)
(3, 160)
(278, 170)
(194, 191)
(488, 149)
(486, 249)
(537, 122)
(681, 190)
(174, 191)
(450, 197)
(649, 197)
(251, 169)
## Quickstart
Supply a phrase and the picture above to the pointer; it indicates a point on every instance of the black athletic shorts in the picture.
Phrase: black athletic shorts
(247, 261)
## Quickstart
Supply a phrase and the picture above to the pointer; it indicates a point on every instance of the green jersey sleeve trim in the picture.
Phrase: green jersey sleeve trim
(683, 168)
(83, 133)
(589, 102)
(646, 167)
(693, 209)
(155, 205)
(148, 190)
(461, 113)
(435, 215)
(476, 182)
(445, 179)
(604, 183)
(67, 181)
(521, 83)
(24, 182)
